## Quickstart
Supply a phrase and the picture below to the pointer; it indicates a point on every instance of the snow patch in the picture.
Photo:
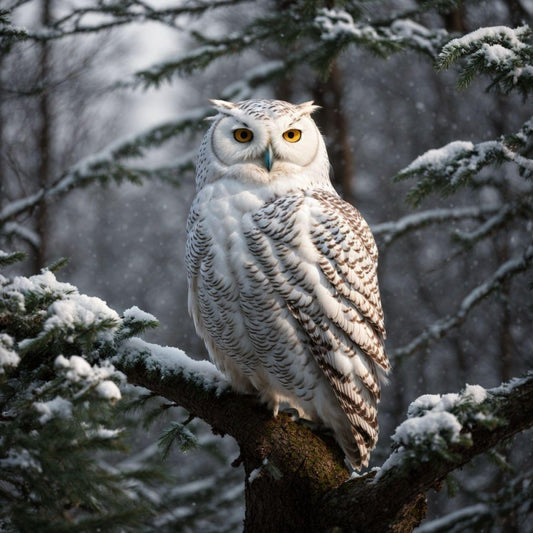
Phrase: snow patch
(106, 433)
(20, 459)
(135, 314)
(256, 472)
(8, 357)
(81, 310)
(432, 424)
(496, 54)
(509, 35)
(475, 393)
(415, 431)
(78, 370)
(58, 407)
(440, 156)
(108, 390)
(169, 360)
(336, 23)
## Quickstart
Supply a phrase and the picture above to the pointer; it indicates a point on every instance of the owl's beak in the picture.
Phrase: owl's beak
(268, 158)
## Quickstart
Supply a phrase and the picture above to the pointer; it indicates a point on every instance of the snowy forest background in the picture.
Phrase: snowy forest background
(102, 104)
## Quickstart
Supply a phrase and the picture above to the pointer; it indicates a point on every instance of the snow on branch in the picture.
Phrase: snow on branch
(439, 328)
(387, 232)
(105, 16)
(441, 433)
(448, 168)
(453, 166)
(106, 164)
(12, 229)
(168, 363)
(441, 426)
(461, 520)
(435, 424)
(337, 27)
(9, 35)
(417, 37)
(501, 52)
(135, 11)
(383, 38)
(488, 227)
(514, 497)
(202, 56)
(323, 33)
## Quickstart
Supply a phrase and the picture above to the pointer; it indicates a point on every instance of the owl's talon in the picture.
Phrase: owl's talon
(292, 412)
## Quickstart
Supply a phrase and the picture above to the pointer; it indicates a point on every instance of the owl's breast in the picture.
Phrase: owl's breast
(237, 309)
(216, 256)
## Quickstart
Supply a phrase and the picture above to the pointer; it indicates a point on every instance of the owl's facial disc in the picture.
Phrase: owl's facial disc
(265, 146)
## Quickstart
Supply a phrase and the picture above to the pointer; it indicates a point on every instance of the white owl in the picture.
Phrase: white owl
(282, 272)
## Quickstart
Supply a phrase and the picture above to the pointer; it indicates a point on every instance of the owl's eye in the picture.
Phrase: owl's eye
(292, 135)
(243, 135)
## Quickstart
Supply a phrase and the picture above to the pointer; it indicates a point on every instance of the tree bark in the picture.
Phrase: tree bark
(330, 95)
(296, 479)
(45, 137)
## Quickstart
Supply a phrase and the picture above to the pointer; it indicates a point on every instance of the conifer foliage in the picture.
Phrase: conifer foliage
(59, 398)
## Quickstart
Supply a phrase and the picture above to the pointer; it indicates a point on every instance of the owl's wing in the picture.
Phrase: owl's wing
(321, 260)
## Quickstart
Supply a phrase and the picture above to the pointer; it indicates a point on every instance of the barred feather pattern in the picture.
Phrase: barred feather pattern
(283, 288)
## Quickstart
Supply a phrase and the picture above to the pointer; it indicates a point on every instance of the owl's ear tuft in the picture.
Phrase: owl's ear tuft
(223, 106)
(307, 107)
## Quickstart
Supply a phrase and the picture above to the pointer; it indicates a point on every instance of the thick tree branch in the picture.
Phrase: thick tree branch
(396, 490)
(283, 459)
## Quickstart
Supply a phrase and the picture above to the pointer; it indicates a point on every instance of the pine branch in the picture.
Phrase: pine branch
(388, 232)
(10, 258)
(438, 329)
(106, 164)
(320, 35)
(503, 53)
(515, 499)
(13, 230)
(106, 16)
(499, 219)
(453, 166)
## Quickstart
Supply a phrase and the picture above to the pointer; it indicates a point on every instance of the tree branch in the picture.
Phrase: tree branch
(387, 232)
(400, 486)
(438, 329)
(287, 457)
(301, 473)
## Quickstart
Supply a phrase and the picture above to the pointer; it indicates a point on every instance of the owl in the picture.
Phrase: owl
(282, 272)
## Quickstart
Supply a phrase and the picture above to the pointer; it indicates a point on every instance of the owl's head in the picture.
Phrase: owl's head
(263, 142)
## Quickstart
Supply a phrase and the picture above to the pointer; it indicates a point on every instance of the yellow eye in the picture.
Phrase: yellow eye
(243, 135)
(292, 135)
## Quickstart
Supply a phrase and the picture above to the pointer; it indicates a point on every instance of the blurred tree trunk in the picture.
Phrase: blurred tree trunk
(334, 125)
(518, 15)
(45, 135)
(454, 21)
(2, 122)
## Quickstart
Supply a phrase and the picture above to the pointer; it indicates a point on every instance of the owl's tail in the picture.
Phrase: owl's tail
(357, 438)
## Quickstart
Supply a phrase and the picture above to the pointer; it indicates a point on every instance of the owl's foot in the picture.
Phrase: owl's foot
(292, 412)
(309, 424)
